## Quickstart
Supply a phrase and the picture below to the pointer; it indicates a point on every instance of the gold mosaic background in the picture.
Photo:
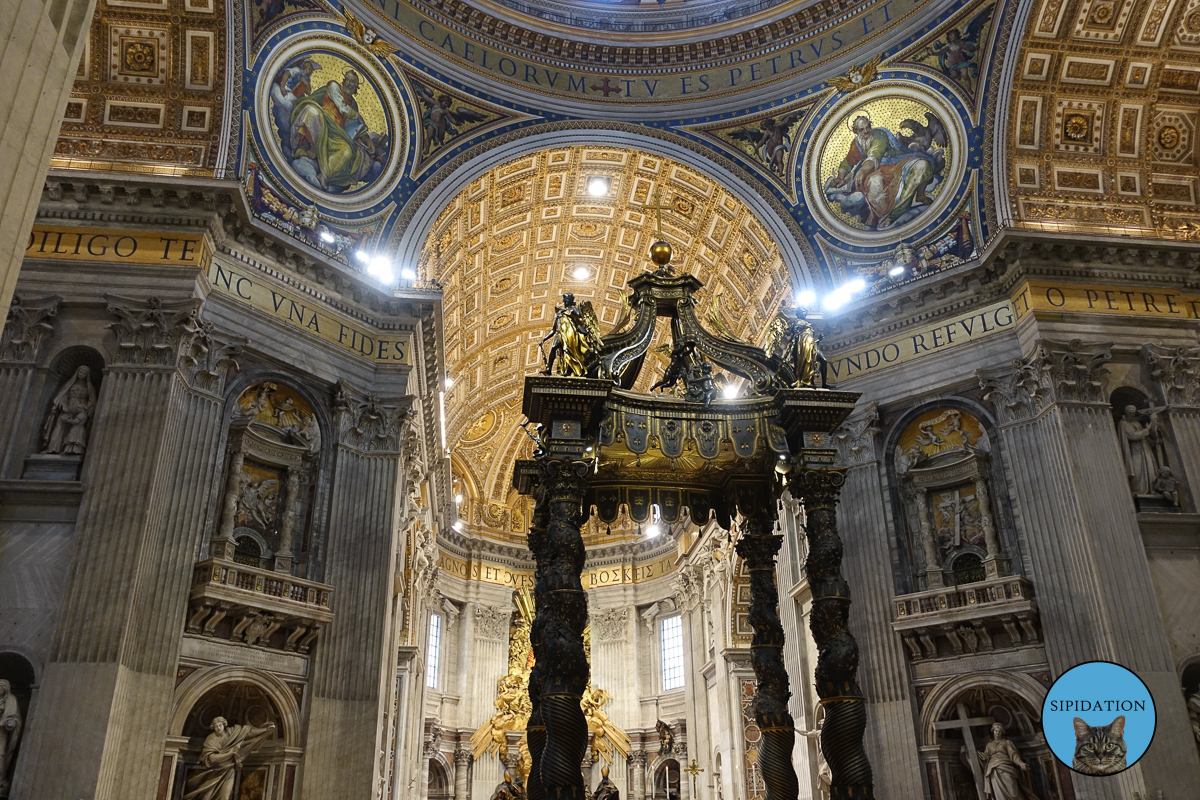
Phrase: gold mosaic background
(1104, 115)
(507, 247)
(149, 90)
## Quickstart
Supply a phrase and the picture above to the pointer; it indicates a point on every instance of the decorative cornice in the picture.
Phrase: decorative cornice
(1057, 372)
(152, 332)
(29, 323)
(1176, 373)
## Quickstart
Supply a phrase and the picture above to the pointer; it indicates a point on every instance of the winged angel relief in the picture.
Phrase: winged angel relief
(772, 140)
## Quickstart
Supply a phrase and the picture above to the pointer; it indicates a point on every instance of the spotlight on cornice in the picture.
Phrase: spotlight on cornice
(730, 391)
(806, 298)
(408, 275)
(895, 272)
(363, 256)
(598, 186)
(581, 273)
(327, 237)
(652, 531)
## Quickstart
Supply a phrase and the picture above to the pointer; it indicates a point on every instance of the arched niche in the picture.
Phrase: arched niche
(278, 441)
(1147, 451)
(439, 786)
(667, 777)
(242, 696)
(950, 501)
(66, 412)
(957, 716)
(22, 671)
(1189, 680)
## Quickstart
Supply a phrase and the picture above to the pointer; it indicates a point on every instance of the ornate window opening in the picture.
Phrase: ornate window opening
(434, 654)
(671, 633)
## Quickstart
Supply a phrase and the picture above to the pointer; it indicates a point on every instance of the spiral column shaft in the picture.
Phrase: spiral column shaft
(837, 659)
(558, 728)
(757, 548)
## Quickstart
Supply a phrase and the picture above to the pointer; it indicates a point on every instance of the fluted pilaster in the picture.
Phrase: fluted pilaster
(351, 661)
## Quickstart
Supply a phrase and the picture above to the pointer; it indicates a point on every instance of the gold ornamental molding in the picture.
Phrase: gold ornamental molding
(502, 575)
(117, 246)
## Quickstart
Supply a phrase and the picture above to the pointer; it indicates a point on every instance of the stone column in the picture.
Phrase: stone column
(29, 324)
(837, 658)
(1095, 594)
(637, 774)
(1176, 374)
(40, 47)
(106, 693)
(757, 547)
(283, 556)
(462, 763)
(561, 668)
(862, 519)
(933, 568)
(348, 701)
(991, 564)
(223, 544)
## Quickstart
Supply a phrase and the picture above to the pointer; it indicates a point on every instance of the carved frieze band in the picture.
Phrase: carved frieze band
(29, 324)
(1057, 372)
(1176, 373)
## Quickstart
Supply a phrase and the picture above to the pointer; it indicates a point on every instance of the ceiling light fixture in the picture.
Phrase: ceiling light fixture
(598, 186)
(582, 273)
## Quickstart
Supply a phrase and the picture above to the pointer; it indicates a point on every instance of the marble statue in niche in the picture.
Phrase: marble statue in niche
(943, 469)
(10, 732)
(1000, 763)
(66, 428)
(1142, 437)
(224, 751)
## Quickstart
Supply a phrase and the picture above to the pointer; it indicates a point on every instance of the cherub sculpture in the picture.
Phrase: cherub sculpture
(512, 714)
(576, 335)
(793, 340)
(607, 738)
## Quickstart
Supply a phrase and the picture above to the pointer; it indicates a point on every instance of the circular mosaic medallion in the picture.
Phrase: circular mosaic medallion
(887, 163)
(327, 122)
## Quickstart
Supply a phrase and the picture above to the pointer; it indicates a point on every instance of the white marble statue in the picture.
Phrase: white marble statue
(824, 773)
(10, 732)
(1000, 761)
(221, 757)
(1137, 446)
(66, 429)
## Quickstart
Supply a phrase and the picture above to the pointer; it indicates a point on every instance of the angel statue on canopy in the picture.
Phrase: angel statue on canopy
(607, 738)
(792, 339)
(576, 335)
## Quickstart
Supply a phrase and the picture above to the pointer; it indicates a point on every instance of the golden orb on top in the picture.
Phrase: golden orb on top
(660, 253)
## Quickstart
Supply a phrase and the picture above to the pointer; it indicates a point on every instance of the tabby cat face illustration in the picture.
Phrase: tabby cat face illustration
(1099, 750)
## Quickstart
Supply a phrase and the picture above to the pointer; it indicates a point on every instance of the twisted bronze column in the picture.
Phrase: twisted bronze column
(535, 731)
(837, 659)
(758, 547)
(561, 669)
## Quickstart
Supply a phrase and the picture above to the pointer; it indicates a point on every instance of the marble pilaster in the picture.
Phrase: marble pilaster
(863, 521)
(349, 700)
(1095, 592)
(40, 46)
(28, 326)
(107, 690)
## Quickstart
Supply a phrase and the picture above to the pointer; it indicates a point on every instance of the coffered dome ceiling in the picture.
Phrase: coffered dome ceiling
(511, 242)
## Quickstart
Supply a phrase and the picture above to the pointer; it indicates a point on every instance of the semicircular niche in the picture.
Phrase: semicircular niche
(329, 122)
(889, 162)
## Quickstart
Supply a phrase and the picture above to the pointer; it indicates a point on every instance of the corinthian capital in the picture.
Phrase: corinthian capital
(28, 325)
(152, 332)
(210, 358)
(1057, 372)
(855, 438)
(1176, 370)
(367, 423)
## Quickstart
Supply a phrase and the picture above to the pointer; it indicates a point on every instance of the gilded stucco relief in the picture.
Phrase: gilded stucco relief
(149, 91)
(1105, 113)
